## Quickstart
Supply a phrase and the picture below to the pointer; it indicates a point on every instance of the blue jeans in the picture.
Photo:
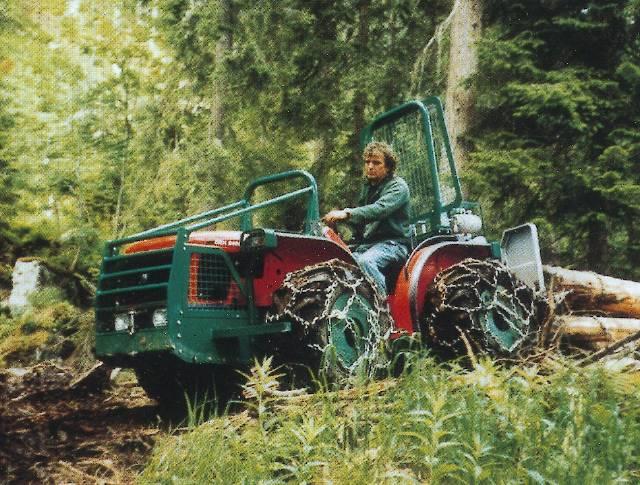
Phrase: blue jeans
(375, 258)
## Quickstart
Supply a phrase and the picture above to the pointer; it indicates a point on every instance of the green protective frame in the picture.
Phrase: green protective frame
(422, 107)
(203, 335)
(241, 208)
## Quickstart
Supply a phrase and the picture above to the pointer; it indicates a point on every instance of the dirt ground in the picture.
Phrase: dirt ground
(60, 427)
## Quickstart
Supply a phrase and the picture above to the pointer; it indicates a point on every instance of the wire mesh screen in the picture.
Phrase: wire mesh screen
(445, 175)
(211, 284)
(406, 137)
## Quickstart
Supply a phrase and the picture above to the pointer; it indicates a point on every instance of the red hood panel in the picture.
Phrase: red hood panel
(228, 240)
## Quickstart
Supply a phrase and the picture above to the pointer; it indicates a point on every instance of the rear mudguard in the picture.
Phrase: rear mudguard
(407, 303)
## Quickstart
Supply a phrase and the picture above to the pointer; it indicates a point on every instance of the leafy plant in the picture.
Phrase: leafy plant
(550, 422)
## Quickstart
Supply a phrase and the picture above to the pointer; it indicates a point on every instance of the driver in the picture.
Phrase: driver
(381, 220)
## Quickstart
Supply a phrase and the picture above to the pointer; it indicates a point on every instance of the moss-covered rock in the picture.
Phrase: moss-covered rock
(52, 329)
(22, 349)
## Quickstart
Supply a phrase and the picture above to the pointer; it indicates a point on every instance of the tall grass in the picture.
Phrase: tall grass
(545, 423)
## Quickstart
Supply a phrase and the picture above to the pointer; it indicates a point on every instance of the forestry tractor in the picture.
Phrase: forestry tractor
(188, 301)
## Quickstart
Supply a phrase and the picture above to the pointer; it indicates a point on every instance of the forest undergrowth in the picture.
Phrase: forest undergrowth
(554, 421)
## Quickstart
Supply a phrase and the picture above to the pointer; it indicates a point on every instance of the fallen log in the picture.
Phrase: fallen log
(611, 349)
(597, 330)
(587, 291)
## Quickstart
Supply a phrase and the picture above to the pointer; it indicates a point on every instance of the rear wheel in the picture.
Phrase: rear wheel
(341, 322)
(481, 302)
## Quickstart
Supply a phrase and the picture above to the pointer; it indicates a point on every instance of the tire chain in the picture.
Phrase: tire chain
(466, 281)
(306, 295)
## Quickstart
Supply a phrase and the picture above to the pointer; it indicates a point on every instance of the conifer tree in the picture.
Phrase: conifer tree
(556, 140)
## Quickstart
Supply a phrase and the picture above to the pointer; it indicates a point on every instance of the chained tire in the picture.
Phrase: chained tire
(480, 304)
(341, 323)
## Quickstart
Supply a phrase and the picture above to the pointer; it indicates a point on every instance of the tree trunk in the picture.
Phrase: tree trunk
(118, 227)
(322, 164)
(360, 97)
(633, 238)
(598, 244)
(463, 62)
(588, 291)
(223, 46)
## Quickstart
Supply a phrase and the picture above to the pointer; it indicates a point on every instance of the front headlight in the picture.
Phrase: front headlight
(160, 317)
(121, 322)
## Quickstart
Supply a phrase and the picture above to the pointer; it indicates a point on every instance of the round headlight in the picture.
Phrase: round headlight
(160, 317)
(121, 322)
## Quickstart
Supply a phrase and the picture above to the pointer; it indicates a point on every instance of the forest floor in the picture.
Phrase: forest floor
(57, 427)
(554, 420)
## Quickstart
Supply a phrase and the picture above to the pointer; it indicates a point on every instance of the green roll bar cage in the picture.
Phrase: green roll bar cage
(422, 108)
(242, 208)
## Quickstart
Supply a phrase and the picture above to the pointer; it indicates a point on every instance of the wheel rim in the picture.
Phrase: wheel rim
(348, 327)
(501, 319)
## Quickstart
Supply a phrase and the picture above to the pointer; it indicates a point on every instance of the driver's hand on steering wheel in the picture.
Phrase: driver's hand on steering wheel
(334, 216)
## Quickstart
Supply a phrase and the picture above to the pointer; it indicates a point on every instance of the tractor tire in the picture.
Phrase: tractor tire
(341, 324)
(479, 306)
(180, 388)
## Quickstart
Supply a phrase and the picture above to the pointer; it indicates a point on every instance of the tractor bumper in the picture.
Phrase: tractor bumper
(251, 330)
(111, 344)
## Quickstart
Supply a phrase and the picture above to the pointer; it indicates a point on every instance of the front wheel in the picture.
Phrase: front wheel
(341, 323)
(180, 388)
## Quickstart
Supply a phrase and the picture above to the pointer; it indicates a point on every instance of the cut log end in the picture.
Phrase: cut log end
(585, 291)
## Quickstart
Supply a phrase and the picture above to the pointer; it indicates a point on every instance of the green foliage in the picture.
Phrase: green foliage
(49, 329)
(552, 423)
(6, 273)
(556, 140)
(46, 297)
(298, 72)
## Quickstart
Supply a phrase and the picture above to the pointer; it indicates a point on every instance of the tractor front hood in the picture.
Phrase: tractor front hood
(227, 240)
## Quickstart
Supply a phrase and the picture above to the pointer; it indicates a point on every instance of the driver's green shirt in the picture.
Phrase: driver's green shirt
(383, 212)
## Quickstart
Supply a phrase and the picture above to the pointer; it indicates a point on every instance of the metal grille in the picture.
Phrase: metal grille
(406, 137)
(211, 284)
(136, 282)
(445, 176)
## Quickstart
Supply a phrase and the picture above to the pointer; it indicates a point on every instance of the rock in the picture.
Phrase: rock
(114, 374)
(17, 371)
(28, 277)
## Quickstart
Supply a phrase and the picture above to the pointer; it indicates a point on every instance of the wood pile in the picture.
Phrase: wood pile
(592, 310)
